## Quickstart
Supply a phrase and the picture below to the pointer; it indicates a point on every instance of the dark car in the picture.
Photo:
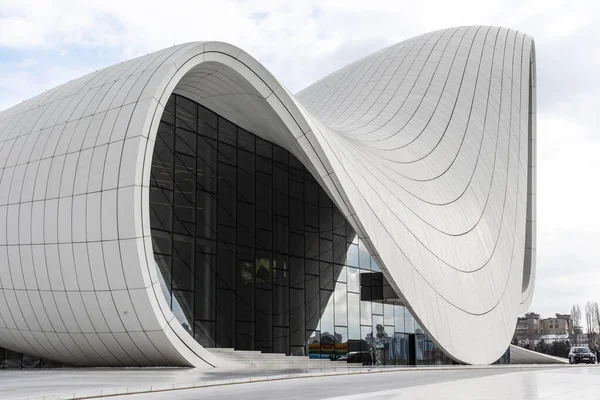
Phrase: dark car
(363, 357)
(581, 355)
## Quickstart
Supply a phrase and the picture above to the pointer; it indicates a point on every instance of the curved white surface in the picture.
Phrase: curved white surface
(427, 147)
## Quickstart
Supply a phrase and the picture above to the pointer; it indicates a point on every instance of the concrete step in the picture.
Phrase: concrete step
(257, 359)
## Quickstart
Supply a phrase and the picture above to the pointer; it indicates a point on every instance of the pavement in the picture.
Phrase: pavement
(444, 382)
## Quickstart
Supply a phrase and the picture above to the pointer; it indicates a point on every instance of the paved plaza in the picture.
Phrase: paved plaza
(491, 382)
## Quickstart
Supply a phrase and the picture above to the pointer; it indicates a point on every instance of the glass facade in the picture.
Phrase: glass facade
(12, 360)
(255, 255)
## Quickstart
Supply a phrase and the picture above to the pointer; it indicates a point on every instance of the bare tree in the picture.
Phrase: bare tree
(576, 316)
(590, 322)
(596, 316)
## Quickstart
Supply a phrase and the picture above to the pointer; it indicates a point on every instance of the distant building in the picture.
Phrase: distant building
(529, 325)
(531, 329)
(561, 325)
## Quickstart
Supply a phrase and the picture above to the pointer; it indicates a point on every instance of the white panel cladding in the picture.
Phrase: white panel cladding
(422, 145)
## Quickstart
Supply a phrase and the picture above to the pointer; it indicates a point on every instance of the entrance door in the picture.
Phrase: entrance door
(412, 349)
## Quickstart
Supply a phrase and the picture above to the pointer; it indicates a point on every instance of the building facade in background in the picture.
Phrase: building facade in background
(560, 325)
(531, 330)
(185, 200)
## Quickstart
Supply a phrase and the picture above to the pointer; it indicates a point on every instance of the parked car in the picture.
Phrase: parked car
(581, 355)
(363, 357)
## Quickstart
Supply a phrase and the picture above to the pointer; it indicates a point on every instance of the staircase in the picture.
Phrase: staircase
(257, 359)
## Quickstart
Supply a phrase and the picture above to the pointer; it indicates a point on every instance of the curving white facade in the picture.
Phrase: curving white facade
(427, 147)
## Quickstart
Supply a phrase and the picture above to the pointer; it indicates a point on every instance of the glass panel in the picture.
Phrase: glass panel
(327, 324)
(185, 113)
(354, 316)
(326, 275)
(399, 319)
(294, 162)
(339, 249)
(245, 184)
(161, 209)
(162, 159)
(399, 349)
(296, 185)
(264, 148)
(169, 112)
(245, 285)
(388, 314)
(281, 295)
(326, 250)
(297, 272)
(205, 284)
(185, 142)
(206, 164)
(418, 328)
(31, 362)
(409, 322)
(365, 313)
(227, 132)
(183, 262)
(353, 279)
(352, 255)
(226, 266)
(374, 266)
(312, 302)
(364, 258)
(377, 308)
(244, 339)
(339, 223)
(340, 273)
(207, 122)
(12, 359)
(225, 318)
(264, 320)
(281, 339)
(314, 344)
(420, 350)
(205, 333)
(206, 215)
(341, 342)
(366, 334)
(297, 317)
(245, 227)
(182, 305)
(263, 270)
(280, 155)
(281, 234)
(246, 140)
(227, 154)
(325, 215)
(280, 191)
(341, 309)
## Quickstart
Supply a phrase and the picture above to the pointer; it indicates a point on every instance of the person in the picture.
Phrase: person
(597, 354)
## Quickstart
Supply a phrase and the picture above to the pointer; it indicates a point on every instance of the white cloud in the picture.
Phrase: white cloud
(301, 41)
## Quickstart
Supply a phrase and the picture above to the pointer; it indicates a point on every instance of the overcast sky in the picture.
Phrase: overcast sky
(45, 43)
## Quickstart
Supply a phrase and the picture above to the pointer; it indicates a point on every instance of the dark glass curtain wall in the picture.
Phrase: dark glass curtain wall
(255, 255)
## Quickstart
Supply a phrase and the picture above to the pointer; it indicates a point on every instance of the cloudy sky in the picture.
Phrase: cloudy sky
(44, 43)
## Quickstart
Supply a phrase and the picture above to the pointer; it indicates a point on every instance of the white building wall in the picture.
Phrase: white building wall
(425, 147)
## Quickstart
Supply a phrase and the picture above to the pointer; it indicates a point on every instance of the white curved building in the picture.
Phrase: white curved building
(134, 230)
